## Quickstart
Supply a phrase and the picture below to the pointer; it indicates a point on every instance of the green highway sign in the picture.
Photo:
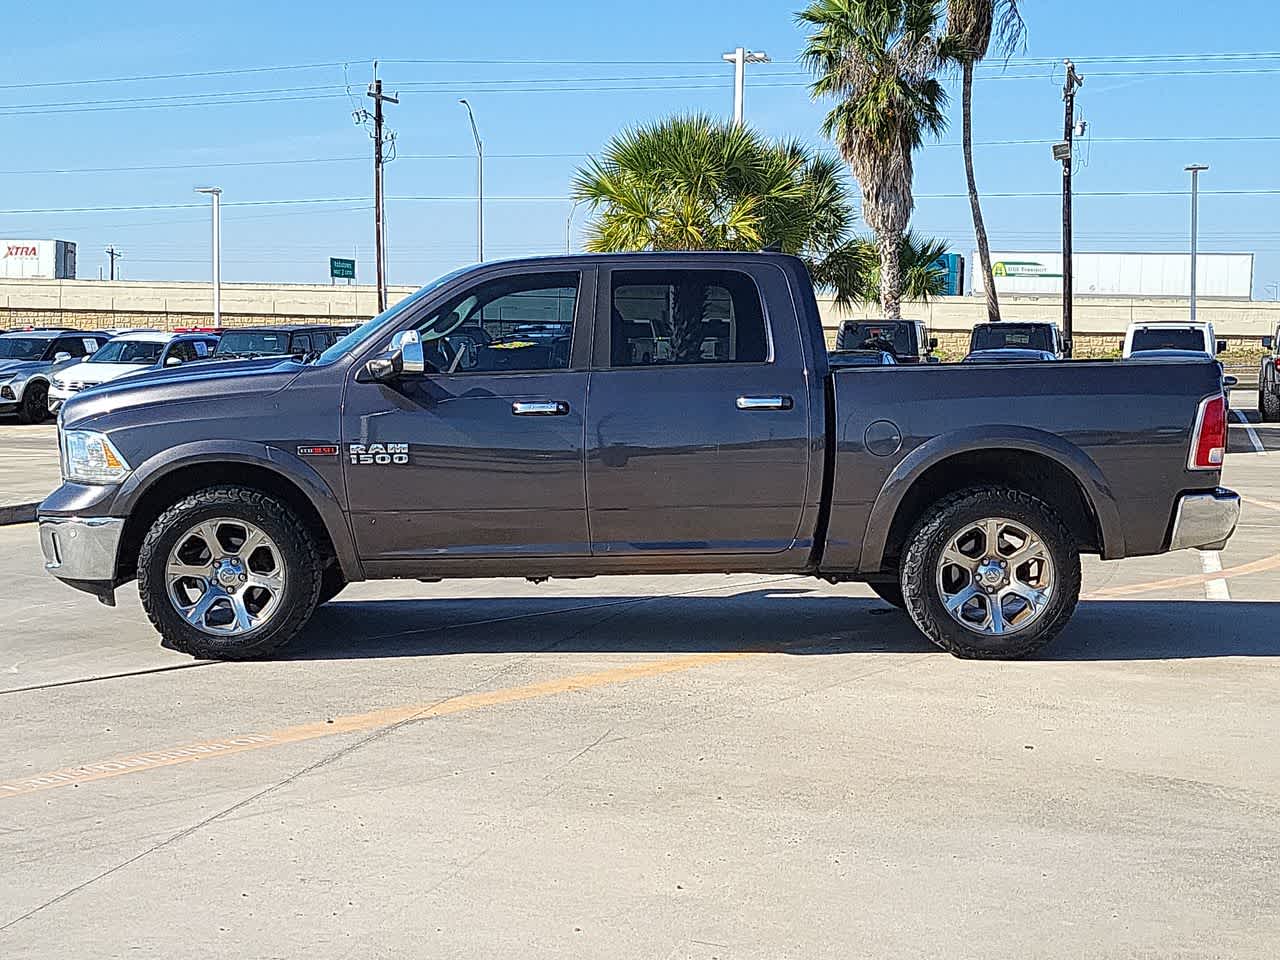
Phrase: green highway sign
(340, 269)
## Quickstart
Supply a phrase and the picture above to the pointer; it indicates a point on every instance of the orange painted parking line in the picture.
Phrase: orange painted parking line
(1268, 504)
(356, 723)
(1190, 580)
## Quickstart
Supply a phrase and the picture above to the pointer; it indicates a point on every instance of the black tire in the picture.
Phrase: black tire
(1268, 404)
(332, 583)
(35, 403)
(930, 537)
(890, 593)
(301, 560)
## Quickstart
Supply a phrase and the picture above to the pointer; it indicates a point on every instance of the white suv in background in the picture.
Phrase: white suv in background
(1172, 335)
(128, 354)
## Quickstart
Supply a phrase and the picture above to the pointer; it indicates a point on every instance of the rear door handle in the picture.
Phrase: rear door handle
(540, 408)
(764, 403)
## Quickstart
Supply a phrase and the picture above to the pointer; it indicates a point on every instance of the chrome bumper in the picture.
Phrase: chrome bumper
(1205, 520)
(81, 548)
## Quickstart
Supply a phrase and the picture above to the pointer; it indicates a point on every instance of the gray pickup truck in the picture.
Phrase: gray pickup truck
(500, 423)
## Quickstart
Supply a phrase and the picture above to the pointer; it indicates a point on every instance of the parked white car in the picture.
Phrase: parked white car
(1172, 335)
(126, 355)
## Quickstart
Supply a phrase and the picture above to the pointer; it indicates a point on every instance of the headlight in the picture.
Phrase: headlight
(89, 457)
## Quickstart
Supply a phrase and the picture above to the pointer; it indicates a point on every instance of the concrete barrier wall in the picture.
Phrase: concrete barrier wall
(1100, 322)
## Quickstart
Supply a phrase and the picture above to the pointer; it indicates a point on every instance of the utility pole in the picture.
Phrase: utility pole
(216, 246)
(1073, 82)
(379, 220)
(740, 57)
(113, 253)
(1194, 169)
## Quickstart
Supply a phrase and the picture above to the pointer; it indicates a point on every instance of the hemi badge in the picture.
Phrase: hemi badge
(321, 451)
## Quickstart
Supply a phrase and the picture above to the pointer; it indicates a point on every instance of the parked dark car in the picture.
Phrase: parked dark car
(241, 495)
(907, 340)
(1042, 336)
(277, 341)
(1010, 355)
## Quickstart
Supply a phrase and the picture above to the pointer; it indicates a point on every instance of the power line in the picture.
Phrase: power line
(180, 76)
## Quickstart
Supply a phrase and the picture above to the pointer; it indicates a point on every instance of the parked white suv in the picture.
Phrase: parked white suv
(1172, 335)
(128, 354)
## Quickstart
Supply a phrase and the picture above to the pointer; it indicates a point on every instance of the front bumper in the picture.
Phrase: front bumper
(1205, 520)
(81, 552)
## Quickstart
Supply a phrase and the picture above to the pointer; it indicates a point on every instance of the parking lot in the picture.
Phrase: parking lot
(683, 767)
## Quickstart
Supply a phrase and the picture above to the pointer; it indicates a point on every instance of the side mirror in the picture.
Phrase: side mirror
(1268, 343)
(404, 357)
(173, 361)
(61, 356)
(1222, 346)
(1230, 382)
(933, 343)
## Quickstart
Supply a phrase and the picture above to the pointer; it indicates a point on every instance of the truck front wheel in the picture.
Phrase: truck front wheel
(228, 573)
(991, 573)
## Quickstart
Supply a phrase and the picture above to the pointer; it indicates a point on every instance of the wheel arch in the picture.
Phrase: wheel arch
(168, 477)
(1033, 461)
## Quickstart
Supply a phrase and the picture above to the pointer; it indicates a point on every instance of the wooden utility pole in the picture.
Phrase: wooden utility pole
(1073, 82)
(378, 97)
(113, 253)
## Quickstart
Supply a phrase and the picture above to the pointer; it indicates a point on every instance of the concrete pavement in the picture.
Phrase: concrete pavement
(28, 467)
(728, 767)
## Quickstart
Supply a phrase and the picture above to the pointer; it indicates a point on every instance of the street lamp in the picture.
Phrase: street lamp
(1194, 169)
(216, 193)
(740, 57)
(568, 227)
(479, 183)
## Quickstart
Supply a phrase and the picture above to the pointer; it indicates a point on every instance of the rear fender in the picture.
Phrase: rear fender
(1005, 437)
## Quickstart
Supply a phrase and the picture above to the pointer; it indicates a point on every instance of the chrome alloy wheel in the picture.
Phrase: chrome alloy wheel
(225, 576)
(995, 577)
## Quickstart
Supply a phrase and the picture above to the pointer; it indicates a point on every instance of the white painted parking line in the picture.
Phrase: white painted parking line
(1211, 562)
(1253, 434)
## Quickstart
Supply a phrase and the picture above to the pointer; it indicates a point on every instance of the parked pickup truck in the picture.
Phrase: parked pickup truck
(240, 496)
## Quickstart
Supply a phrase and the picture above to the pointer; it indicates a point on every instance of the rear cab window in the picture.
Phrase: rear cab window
(1150, 338)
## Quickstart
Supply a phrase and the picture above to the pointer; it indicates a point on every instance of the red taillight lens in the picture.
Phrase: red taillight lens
(1277, 363)
(1209, 440)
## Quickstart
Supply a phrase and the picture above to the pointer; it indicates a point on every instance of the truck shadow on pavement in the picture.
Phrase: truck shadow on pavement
(793, 621)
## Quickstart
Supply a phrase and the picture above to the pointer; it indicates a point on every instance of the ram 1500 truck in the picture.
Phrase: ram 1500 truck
(240, 496)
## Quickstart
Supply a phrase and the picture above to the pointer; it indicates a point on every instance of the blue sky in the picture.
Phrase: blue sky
(537, 125)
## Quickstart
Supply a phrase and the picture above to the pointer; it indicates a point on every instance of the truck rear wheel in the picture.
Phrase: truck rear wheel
(1268, 403)
(991, 573)
(228, 573)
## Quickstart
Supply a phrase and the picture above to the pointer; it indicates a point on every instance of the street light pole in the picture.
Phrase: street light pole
(1194, 169)
(740, 57)
(479, 183)
(216, 193)
(568, 227)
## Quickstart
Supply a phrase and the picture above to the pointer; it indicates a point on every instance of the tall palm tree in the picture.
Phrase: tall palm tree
(971, 24)
(879, 60)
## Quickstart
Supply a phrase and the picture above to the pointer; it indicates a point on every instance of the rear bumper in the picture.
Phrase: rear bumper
(1205, 520)
(81, 552)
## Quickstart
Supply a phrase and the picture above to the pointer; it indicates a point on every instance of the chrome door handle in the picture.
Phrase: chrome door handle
(539, 408)
(764, 403)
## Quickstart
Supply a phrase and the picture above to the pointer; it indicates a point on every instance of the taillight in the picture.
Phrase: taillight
(1209, 439)
(1278, 364)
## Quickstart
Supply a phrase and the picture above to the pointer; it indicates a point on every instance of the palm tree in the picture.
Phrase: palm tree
(879, 59)
(970, 27)
(923, 276)
(692, 183)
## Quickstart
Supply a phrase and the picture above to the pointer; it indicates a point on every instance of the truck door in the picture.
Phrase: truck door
(481, 457)
(701, 447)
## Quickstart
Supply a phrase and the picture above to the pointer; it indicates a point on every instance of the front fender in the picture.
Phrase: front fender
(1001, 437)
(287, 466)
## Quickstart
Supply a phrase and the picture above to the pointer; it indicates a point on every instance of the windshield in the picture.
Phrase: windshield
(898, 334)
(356, 336)
(1150, 338)
(1026, 336)
(22, 348)
(128, 351)
(253, 343)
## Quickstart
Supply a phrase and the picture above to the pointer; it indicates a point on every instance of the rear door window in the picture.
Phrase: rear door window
(1149, 338)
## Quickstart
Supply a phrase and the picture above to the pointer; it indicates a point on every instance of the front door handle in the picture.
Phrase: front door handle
(764, 403)
(540, 408)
